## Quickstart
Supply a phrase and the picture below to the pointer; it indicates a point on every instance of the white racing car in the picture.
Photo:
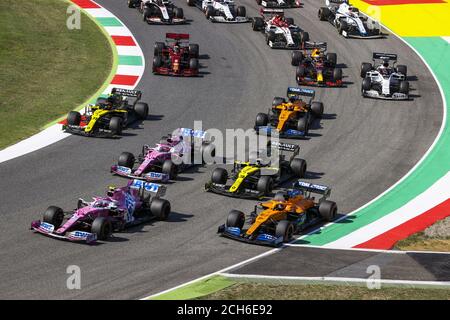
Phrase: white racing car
(280, 3)
(348, 20)
(158, 11)
(280, 32)
(221, 10)
(384, 80)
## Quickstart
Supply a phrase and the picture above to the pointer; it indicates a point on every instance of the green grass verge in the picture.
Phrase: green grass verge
(45, 68)
(420, 242)
(257, 291)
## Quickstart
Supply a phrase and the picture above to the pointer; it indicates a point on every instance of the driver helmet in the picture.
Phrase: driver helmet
(176, 48)
(279, 207)
(385, 63)
(111, 190)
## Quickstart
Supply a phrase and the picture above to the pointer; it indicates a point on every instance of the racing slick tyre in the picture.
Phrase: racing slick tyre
(284, 229)
(210, 12)
(178, 13)
(324, 13)
(305, 37)
(404, 87)
(337, 74)
(265, 185)
(193, 64)
(54, 215)
(332, 59)
(160, 208)
(300, 71)
(258, 24)
(296, 58)
(343, 26)
(235, 219)
(317, 108)
(289, 21)
(74, 118)
(126, 159)
(261, 120)
(158, 48)
(241, 11)
(402, 69)
(194, 50)
(219, 176)
(280, 196)
(277, 101)
(298, 167)
(102, 227)
(303, 124)
(141, 109)
(115, 125)
(365, 67)
(190, 3)
(366, 85)
(146, 14)
(328, 210)
(270, 37)
(132, 3)
(157, 62)
(170, 169)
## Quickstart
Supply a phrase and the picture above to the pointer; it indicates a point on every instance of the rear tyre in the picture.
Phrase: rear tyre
(296, 58)
(102, 228)
(160, 208)
(141, 109)
(115, 125)
(74, 118)
(298, 167)
(219, 176)
(54, 215)
(170, 169)
(365, 67)
(194, 50)
(402, 69)
(284, 229)
(261, 120)
(126, 159)
(158, 48)
(257, 24)
(337, 74)
(235, 219)
(265, 185)
(193, 64)
(317, 108)
(328, 210)
(241, 12)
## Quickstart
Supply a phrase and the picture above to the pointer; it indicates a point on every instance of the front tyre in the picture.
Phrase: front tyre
(284, 229)
(328, 210)
(235, 219)
(102, 227)
(54, 215)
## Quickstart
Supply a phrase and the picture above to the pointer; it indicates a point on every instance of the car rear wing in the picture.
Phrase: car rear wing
(177, 36)
(156, 189)
(384, 56)
(310, 45)
(296, 92)
(283, 146)
(312, 187)
(272, 11)
(127, 93)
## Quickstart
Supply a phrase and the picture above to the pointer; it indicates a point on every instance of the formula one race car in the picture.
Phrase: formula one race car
(280, 32)
(221, 10)
(315, 67)
(280, 3)
(109, 115)
(176, 57)
(257, 177)
(292, 118)
(384, 81)
(158, 11)
(348, 20)
(276, 221)
(136, 203)
(175, 153)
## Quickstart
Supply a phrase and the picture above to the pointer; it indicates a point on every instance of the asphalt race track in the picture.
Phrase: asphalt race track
(360, 148)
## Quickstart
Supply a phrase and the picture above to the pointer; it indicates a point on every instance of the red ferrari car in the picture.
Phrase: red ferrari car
(176, 57)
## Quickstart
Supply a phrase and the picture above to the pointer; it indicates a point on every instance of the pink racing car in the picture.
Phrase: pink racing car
(136, 203)
(173, 154)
